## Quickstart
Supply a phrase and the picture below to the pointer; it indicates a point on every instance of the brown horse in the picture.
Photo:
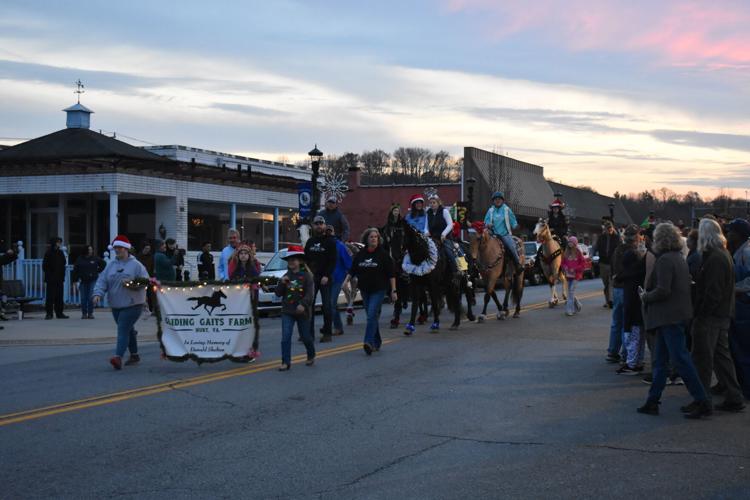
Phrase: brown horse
(551, 261)
(489, 253)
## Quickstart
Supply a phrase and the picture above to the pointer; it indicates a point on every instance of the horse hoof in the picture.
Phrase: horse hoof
(409, 329)
(551, 304)
(500, 316)
(394, 323)
(480, 318)
(516, 315)
(471, 317)
(453, 327)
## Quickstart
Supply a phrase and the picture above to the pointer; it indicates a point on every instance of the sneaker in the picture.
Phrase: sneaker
(613, 358)
(63, 316)
(338, 332)
(116, 362)
(91, 316)
(702, 409)
(578, 305)
(648, 379)
(650, 408)
(326, 338)
(133, 359)
(49, 316)
(368, 348)
(675, 381)
(310, 361)
(689, 408)
(626, 370)
(730, 406)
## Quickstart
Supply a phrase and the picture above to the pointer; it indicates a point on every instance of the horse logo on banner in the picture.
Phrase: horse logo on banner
(212, 301)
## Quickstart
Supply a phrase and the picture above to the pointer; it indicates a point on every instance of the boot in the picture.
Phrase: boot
(133, 359)
(650, 408)
(116, 362)
(702, 409)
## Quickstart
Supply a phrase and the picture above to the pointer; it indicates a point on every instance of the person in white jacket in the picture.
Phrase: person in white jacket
(439, 226)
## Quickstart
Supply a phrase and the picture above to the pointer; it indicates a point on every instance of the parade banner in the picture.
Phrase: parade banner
(304, 193)
(205, 323)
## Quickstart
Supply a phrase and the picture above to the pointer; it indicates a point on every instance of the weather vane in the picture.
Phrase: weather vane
(80, 90)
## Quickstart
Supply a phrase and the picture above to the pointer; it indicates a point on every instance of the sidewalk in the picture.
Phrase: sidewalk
(35, 330)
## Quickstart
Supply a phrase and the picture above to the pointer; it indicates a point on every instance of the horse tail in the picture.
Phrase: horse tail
(517, 289)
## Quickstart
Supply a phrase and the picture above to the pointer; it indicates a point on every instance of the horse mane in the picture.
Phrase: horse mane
(416, 244)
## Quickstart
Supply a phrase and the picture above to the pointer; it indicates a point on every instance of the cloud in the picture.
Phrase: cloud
(676, 32)
(704, 139)
(247, 109)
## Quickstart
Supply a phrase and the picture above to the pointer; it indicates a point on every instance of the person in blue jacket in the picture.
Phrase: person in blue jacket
(501, 221)
(416, 217)
(343, 264)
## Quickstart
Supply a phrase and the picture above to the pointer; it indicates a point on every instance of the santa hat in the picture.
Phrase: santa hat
(557, 203)
(121, 241)
(415, 198)
(294, 251)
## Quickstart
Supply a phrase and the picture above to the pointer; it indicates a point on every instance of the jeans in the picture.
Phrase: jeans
(325, 300)
(605, 273)
(618, 318)
(125, 318)
(572, 305)
(287, 328)
(635, 343)
(510, 244)
(670, 344)
(86, 292)
(335, 313)
(373, 301)
(711, 355)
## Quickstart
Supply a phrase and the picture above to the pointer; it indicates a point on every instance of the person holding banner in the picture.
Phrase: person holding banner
(127, 303)
(296, 290)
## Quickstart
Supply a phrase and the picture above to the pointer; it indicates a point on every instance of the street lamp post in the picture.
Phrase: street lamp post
(315, 156)
(612, 212)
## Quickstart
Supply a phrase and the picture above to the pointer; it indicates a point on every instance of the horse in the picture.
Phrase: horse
(551, 262)
(489, 253)
(213, 301)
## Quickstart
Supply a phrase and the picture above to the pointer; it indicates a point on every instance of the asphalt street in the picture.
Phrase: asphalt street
(523, 408)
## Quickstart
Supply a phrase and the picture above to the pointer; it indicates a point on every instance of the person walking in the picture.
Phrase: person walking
(373, 268)
(334, 217)
(206, 270)
(126, 303)
(738, 240)
(321, 255)
(633, 275)
(85, 273)
(343, 264)
(573, 264)
(296, 290)
(714, 308)
(667, 308)
(163, 268)
(605, 248)
(233, 239)
(53, 265)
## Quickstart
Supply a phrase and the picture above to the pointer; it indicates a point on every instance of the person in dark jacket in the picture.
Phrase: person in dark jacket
(321, 256)
(605, 249)
(206, 269)
(373, 268)
(163, 267)
(85, 272)
(53, 266)
(633, 274)
(177, 257)
(714, 309)
(557, 222)
(667, 307)
(5, 258)
(146, 257)
(334, 217)
(615, 351)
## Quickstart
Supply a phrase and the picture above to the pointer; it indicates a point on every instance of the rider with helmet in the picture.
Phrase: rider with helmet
(439, 226)
(558, 224)
(501, 221)
(416, 216)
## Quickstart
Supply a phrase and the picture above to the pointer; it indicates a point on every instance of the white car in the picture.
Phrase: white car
(276, 268)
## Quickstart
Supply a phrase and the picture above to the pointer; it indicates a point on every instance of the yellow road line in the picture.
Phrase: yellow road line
(105, 399)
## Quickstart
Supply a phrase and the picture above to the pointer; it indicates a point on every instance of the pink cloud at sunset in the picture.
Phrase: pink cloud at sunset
(713, 35)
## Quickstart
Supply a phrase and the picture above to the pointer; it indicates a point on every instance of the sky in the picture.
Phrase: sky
(617, 95)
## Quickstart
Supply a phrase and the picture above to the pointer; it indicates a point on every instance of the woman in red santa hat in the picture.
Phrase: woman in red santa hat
(126, 303)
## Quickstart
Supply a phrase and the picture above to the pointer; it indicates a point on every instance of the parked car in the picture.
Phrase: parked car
(532, 269)
(276, 268)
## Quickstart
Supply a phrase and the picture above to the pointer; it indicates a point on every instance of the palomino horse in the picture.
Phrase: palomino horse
(551, 261)
(489, 253)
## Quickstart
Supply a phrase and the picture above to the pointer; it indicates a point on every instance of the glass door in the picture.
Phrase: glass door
(43, 228)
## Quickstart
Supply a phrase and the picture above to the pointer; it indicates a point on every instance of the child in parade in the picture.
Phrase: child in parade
(573, 264)
(243, 265)
(296, 290)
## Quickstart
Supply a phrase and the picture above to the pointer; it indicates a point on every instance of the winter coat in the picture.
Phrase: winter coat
(667, 301)
(573, 267)
(163, 267)
(496, 220)
(606, 246)
(87, 268)
(53, 266)
(338, 220)
(633, 275)
(714, 285)
(112, 283)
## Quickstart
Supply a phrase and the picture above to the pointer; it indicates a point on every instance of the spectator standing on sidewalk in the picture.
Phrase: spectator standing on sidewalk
(86, 271)
(163, 268)
(53, 265)
(126, 303)
(615, 351)
(146, 257)
(233, 239)
(714, 308)
(605, 248)
(738, 237)
(206, 270)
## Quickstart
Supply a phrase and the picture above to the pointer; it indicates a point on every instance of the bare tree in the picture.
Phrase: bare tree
(375, 163)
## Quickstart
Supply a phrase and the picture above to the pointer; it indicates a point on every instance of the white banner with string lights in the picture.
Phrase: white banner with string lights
(205, 323)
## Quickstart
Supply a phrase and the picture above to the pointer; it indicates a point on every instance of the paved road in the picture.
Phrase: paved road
(522, 408)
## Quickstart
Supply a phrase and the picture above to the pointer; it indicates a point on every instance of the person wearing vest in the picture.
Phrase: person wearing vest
(416, 216)
(439, 226)
(501, 220)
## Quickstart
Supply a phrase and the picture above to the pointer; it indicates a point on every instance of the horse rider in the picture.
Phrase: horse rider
(439, 227)
(557, 222)
(501, 222)
(416, 216)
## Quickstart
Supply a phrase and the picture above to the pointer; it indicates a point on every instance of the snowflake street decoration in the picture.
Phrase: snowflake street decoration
(430, 191)
(334, 185)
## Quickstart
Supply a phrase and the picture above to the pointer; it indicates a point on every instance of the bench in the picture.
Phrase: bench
(14, 291)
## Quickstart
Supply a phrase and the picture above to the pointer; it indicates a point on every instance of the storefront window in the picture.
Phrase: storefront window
(207, 222)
